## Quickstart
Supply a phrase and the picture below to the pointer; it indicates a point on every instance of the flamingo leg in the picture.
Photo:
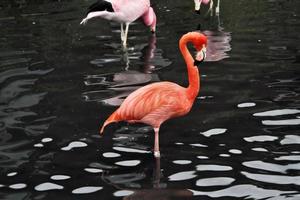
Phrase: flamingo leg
(218, 8)
(156, 143)
(211, 7)
(122, 32)
(197, 5)
(125, 35)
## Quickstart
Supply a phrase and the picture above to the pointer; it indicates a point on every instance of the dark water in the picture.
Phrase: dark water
(60, 81)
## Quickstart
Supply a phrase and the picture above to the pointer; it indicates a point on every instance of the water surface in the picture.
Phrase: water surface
(59, 82)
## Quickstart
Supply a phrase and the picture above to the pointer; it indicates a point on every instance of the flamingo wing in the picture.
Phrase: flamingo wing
(154, 103)
(131, 10)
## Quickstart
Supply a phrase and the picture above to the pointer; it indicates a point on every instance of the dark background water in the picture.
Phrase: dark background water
(59, 81)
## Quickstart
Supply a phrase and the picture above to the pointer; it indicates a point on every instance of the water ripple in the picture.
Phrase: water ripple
(93, 170)
(86, 190)
(76, 144)
(123, 193)
(277, 112)
(60, 177)
(218, 181)
(291, 158)
(18, 186)
(286, 122)
(277, 179)
(128, 163)
(130, 150)
(213, 168)
(261, 138)
(290, 139)
(180, 176)
(48, 186)
(257, 164)
(215, 131)
(243, 191)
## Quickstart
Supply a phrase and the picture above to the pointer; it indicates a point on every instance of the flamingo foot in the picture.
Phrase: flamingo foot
(84, 21)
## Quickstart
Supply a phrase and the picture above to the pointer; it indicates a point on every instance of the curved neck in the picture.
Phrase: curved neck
(193, 73)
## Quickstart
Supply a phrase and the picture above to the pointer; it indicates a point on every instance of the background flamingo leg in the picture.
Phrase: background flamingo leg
(156, 143)
(197, 5)
(218, 8)
(125, 35)
(122, 32)
(211, 7)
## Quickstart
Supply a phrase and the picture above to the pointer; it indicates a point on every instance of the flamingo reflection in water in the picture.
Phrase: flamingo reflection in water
(117, 86)
(218, 41)
(157, 189)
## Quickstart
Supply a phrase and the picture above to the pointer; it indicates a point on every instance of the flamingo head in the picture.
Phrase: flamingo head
(200, 56)
(200, 42)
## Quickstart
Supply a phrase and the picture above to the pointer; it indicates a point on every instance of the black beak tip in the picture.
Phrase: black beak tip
(197, 12)
(197, 63)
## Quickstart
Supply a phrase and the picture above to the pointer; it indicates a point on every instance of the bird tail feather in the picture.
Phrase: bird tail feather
(112, 118)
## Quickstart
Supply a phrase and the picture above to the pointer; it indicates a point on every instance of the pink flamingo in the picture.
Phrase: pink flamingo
(155, 103)
(199, 2)
(123, 11)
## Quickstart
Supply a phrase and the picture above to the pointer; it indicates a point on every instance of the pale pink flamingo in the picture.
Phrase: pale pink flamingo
(155, 103)
(210, 2)
(124, 12)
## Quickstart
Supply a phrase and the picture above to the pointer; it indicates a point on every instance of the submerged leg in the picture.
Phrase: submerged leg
(156, 143)
(156, 174)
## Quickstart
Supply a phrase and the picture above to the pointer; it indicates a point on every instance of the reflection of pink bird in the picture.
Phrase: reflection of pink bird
(123, 11)
(157, 102)
(218, 45)
(199, 2)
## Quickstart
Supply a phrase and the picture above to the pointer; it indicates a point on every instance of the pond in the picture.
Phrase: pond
(59, 81)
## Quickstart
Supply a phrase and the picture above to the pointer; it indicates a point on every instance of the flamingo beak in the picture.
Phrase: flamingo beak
(200, 57)
(152, 30)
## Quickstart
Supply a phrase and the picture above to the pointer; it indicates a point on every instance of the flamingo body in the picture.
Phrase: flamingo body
(130, 10)
(123, 11)
(157, 102)
(153, 104)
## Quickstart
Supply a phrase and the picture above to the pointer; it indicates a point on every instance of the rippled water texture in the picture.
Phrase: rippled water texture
(59, 81)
